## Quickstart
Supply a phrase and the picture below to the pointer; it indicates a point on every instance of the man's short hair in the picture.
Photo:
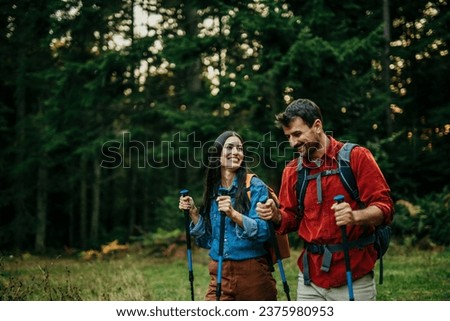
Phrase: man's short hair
(303, 108)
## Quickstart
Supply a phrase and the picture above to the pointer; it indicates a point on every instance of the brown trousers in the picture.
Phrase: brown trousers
(247, 280)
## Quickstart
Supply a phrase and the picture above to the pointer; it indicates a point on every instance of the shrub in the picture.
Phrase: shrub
(423, 221)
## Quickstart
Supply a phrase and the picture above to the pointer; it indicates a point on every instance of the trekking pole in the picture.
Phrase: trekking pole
(340, 199)
(183, 193)
(222, 191)
(279, 261)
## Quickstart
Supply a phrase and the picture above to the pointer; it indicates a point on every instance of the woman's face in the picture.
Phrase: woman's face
(232, 153)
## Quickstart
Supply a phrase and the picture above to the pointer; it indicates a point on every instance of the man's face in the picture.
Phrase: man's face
(305, 139)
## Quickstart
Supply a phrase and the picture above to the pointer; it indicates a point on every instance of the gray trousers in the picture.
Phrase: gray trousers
(364, 289)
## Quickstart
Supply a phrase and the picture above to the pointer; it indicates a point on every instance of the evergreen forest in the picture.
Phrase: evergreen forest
(107, 108)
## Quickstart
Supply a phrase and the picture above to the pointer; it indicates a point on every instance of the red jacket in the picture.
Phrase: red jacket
(318, 224)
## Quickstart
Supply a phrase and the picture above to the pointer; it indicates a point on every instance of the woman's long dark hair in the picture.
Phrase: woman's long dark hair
(213, 177)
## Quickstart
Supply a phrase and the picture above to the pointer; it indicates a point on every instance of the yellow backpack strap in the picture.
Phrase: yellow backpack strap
(247, 184)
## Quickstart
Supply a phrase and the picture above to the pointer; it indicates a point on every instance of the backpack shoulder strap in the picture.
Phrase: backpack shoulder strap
(270, 191)
(346, 173)
(248, 180)
(302, 182)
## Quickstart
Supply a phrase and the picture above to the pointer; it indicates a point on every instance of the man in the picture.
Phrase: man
(318, 220)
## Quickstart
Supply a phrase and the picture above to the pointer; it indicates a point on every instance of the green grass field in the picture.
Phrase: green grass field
(409, 275)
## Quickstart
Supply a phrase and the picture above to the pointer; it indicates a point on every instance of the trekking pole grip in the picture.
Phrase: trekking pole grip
(184, 193)
(223, 192)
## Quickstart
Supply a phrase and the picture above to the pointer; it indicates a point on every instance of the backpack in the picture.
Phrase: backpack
(382, 234)
(281, 239)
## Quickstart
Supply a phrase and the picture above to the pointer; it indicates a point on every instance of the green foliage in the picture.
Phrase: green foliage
(424, 221)
(76, 76)
(161, 238)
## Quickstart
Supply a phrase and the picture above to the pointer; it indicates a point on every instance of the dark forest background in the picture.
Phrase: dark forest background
(107, 107)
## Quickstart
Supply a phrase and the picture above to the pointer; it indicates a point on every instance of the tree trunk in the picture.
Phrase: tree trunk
(194, 83)
(71, 214)
(83, 202)
(132, 197)
(385, 65)
(42, 191)
(20, 102)
(95, 218)
(145, 205)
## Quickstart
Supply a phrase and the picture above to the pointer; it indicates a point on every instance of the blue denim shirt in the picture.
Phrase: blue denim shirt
(240, 243)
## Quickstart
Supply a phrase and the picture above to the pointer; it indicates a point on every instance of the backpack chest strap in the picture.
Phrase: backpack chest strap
(318, 178)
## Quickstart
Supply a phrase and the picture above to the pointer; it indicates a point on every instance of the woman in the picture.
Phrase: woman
(246, 274)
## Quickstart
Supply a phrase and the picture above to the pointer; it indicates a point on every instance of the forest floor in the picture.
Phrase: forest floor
(409, 275)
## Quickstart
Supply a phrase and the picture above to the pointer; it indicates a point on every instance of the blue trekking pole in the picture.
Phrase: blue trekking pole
(279, 261)
(340, 199)
(222, 191)
(183, 193)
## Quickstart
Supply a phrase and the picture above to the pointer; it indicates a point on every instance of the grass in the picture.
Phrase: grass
(416, 275)
(409, 274)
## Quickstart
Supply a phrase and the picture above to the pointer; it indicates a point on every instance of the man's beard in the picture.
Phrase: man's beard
(308, 150)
